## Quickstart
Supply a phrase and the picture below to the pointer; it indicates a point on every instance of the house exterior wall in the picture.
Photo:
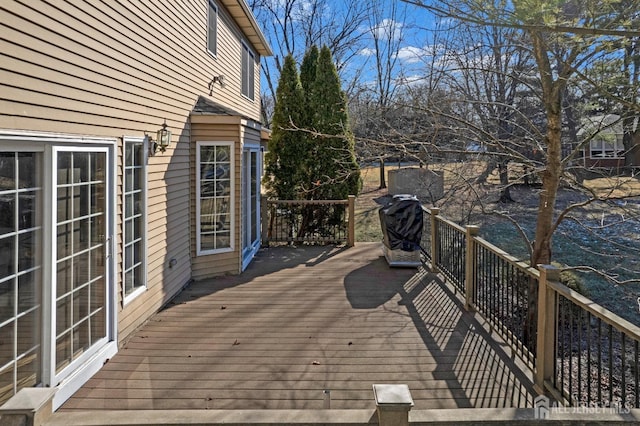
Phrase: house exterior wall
(91, 68)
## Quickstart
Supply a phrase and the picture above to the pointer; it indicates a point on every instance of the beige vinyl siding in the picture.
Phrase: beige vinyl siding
(250, 134)
(230, 42)
(119, 69)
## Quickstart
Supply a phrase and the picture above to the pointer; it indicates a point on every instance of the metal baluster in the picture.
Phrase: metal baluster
(610, 363)
(637, 374)
(623, 368)
(563, 329)
(599, 361)
(569, 311)
(579, 381)
(589, 318)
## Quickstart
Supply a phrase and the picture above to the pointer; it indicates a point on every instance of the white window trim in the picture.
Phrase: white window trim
(252, 54)
(126, 299)
(212, 5)
(232, 203)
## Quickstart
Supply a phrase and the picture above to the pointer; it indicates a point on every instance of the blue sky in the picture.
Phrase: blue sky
(405, 26)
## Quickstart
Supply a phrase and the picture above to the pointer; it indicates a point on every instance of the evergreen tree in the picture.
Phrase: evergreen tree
(333, 170)
(285, 156)
(308, 71)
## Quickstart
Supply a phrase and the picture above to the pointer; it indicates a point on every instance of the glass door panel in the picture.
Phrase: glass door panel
(20, 271)
(80, 310)
(250, 204)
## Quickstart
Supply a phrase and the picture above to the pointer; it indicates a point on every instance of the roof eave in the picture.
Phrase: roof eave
(240, 11)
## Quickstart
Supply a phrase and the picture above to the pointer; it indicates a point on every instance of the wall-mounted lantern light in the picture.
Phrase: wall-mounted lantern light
(216, 79)
(163, 139)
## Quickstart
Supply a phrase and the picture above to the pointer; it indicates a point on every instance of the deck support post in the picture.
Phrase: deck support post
(393, 404)
(434, 238)
(545, 344)
(351, 233)
(469, 275)
(28, 407)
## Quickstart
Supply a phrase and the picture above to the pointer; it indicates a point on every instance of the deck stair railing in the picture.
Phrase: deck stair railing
(581, 353)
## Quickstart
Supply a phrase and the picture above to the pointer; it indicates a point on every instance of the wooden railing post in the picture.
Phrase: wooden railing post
(351, 233)
(470, 258)
(264, 221)
(434, 238)
(545, 344)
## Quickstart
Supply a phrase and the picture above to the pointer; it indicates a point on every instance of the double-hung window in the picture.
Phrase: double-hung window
(212, 33)
(248, 72)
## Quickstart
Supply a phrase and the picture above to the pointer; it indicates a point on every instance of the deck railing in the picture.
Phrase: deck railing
(581, 353)
(309, 221)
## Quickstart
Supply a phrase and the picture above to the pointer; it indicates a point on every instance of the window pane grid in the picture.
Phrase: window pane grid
(20, 268)
(80, 242)
(214, 223)
(133, 232)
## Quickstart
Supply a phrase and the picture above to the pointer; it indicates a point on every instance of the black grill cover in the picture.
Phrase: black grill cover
(401, 221)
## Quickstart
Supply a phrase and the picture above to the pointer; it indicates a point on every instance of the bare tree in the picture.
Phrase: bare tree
(293, 26)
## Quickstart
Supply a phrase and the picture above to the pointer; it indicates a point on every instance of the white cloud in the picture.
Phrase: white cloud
(387, 29)
(367, 51)
(411, 54)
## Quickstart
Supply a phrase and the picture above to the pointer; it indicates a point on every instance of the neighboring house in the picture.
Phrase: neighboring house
(604, 147)
(97, 229)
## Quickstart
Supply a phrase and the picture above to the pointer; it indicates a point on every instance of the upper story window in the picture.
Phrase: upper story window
(212, 34)
(248, 72)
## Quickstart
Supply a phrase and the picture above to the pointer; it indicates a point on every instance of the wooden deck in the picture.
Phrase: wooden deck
(302, 321)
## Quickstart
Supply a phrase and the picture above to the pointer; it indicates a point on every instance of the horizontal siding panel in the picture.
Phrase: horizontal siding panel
(216, 265)
(121, 68)
(60, 64)
(100, 41)
(89, 108)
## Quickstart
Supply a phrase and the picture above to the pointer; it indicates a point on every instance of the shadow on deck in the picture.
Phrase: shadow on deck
(302, 321)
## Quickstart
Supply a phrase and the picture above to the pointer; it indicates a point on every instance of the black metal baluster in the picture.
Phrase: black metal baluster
(571, 328)
(589, 319)
(563, 329)
(610, 363)
(637, 376)
(623, 357)
(579, 378)
(599, 361)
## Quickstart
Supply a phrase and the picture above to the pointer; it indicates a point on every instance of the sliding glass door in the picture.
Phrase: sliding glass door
(251, 171)
(56, 290)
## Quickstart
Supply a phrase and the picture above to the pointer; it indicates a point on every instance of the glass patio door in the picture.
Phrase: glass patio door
(79, 295)
(251, 160)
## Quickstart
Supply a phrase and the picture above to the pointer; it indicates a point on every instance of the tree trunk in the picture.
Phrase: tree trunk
(546, 204)
(383, 180)
(505, 192)
(482, 178)
(552, 99)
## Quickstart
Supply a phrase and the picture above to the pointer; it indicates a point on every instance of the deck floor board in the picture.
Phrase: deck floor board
(300, 321)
